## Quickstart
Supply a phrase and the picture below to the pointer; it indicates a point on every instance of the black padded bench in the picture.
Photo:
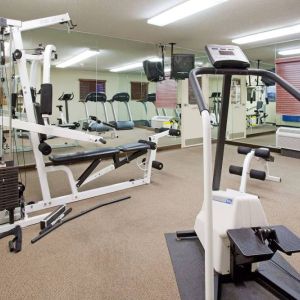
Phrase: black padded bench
(96, 155)
(99, 153)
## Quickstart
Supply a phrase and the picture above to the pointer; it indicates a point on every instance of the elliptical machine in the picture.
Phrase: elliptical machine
(232, 227)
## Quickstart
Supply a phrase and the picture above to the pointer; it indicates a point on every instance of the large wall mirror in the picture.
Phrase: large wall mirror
(109, 86)
(140, 107)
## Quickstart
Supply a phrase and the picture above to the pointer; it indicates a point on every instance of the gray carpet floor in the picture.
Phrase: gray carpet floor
(119, 251)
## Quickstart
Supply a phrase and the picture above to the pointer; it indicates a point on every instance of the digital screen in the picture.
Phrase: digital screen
(224, 52)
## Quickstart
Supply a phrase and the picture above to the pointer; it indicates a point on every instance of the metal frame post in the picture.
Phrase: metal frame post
(222, 132)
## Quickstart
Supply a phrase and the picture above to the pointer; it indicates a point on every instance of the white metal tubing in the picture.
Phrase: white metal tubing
(47, 62)
(270, 177)
(23, 223)
(44, 22)
(84, 195)
(69, 174)
(53, 131)
(86, 111)
(40, 165)
(207, 205)
(150, 158)
(246, 168)
(35, 64)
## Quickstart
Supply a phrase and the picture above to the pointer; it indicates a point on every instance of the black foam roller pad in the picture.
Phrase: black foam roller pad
(174, 132)
(236, 170)
(256, 174)
(46, 98)
(262, 152)
(244, 150)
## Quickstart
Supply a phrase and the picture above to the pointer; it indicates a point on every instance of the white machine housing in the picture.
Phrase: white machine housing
(161, 121)
(231, 210)
(288, 138)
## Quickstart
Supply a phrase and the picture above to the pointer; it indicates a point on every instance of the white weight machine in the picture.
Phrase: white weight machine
(39, 128)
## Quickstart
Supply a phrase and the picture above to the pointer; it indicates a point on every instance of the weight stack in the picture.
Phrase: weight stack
(9, 193)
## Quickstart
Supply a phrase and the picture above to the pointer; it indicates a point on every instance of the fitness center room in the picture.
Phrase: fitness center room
(150, 149)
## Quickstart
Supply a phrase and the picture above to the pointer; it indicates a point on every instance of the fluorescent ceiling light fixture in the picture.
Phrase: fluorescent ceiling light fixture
(289, 51)
(135, 65)
(268, 35)
(127, 67)
(78, 58)
(183, 10)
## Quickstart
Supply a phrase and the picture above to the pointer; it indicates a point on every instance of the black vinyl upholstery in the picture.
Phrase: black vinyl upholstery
(109, 152)
(84, 155)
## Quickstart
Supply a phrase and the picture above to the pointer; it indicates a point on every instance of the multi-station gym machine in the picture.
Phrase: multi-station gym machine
(14, 211)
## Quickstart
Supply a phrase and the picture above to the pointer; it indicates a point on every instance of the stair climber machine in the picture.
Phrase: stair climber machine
(63, 121)
(92, 123)
(236, 248)
(124, 124)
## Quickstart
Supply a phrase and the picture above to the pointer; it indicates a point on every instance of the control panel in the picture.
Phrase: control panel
(227, 56)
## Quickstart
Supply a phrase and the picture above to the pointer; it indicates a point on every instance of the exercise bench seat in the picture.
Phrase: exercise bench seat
(134, 147)
(60, 159)
(109, 152)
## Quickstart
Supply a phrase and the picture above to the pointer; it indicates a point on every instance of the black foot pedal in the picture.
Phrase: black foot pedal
(287, 242)
(246, 243)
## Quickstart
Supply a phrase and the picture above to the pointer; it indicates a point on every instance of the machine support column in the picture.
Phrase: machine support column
(222, 132)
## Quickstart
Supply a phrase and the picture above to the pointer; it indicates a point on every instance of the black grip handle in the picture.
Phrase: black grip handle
(236, 170)
(256, 174)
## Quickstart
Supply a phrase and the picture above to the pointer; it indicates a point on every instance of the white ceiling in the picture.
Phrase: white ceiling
(127, 19)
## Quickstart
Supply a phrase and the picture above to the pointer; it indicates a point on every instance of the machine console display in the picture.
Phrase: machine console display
(227, 56)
